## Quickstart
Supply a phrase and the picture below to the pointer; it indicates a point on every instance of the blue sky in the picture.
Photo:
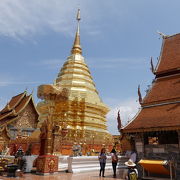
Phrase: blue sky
(118, 37)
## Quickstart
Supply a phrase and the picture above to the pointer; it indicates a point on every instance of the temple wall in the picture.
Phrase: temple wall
(86, 126)
(125, 145)
(24, 143)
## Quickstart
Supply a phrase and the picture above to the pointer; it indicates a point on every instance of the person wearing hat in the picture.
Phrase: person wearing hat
(131, 172)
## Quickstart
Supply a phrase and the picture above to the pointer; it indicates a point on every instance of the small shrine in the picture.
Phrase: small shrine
(51, 130)
(18, 122)
(155, 130)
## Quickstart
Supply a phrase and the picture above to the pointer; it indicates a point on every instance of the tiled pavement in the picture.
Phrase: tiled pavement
(67, 176)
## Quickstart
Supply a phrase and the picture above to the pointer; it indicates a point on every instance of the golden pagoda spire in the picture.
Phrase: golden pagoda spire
(76, 49)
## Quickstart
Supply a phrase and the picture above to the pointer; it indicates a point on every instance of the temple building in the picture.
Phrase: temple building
(84, 113)
(18, 120)
(155, 130)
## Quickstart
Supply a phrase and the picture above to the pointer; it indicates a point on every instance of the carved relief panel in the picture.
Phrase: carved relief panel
(25, 124)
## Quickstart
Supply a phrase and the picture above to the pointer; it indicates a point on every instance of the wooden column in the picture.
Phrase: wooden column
(178, 131)
(143, 145)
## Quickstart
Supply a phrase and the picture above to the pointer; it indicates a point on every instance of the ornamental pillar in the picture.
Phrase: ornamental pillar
(178, 132)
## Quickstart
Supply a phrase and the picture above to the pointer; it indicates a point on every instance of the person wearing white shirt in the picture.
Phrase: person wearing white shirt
(133, 156)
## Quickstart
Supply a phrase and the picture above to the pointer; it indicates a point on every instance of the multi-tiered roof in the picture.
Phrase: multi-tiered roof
(160, 108)
(15, 108)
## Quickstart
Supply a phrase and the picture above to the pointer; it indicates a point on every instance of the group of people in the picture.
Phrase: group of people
(129, 173)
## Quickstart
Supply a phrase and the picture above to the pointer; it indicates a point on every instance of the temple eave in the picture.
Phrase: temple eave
(151, 129)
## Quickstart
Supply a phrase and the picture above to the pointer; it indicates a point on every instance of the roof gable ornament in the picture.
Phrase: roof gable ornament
(76, 49)
(152, 66)
(139, 94)
(14, 112)
(8, 107)
(163, 36)
(119, 121)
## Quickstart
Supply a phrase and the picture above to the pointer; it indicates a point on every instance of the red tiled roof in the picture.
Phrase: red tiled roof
(6, 114)
(13, 102)
(156, 118)
(170, 55)
(8, 119)
(161, 106)
(23, 103)
(164, 89)
(17, 104)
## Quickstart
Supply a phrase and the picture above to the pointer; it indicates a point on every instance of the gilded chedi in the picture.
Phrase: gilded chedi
(84, 112)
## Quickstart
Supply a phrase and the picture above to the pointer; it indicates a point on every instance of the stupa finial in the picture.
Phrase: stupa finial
(76, 49)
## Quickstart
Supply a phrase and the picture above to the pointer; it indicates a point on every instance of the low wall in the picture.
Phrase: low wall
(63, 163)
(86, 163)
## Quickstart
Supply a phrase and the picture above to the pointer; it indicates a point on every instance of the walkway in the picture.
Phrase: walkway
(67, 176)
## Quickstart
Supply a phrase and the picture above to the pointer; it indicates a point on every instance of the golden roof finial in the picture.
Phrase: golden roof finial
(76, 49)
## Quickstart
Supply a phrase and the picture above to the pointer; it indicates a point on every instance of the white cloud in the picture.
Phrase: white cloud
(7, 80)
(19, 18)
(24, 18)
(128, 110)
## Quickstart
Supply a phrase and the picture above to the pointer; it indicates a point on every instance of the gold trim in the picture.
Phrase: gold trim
(79, 86)
(92, 125)
(30, 96)
(74, 67)
(95, 107)
(74, 72)
(85, 112)
(9, 121)
(76, 46)
(95, 117)
(151, 129)
(74, 62)
(23, 94)
(104, 109)
(9, 108)
(6, 115)
(76, 78)
(35, 105)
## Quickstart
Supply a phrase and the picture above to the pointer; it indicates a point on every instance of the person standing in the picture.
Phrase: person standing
(114, 161)
(133, 156)
(132, 160)
(102, 160)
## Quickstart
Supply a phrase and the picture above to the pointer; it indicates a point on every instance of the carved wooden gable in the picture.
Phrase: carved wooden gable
(27, 118)
(25, 123)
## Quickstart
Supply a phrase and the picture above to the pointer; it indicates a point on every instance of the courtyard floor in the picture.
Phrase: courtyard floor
(67, 176)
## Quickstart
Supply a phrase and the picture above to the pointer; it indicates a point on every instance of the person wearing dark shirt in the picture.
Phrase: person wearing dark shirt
(114, 161)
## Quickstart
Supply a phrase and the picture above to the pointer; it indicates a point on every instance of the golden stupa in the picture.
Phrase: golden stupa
(84, 113)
